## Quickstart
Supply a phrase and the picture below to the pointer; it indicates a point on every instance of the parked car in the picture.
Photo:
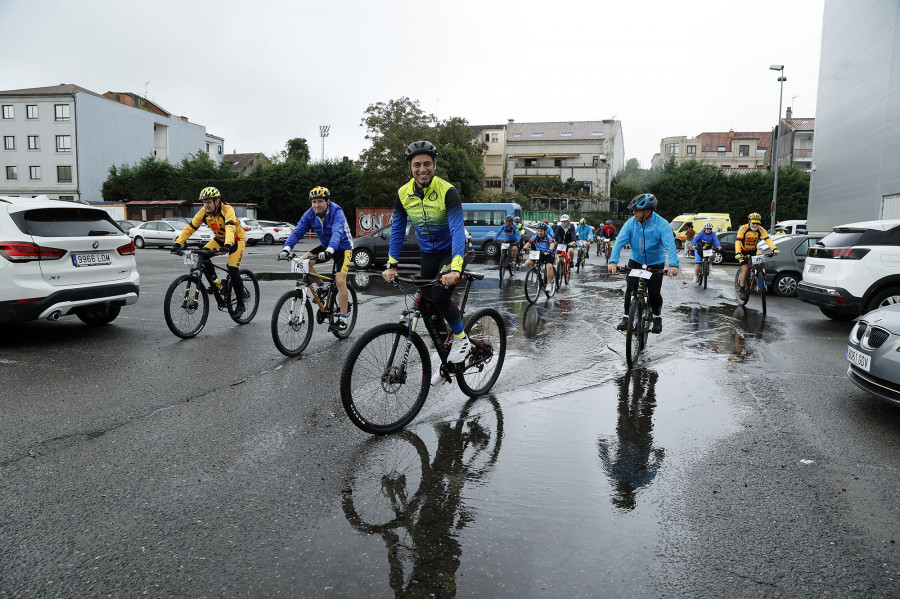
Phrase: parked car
(784, 271)
(127, 224)
(59, 258)
(790, 227)
(726, 238)
(873, 351)
(163, 233)
(274, 231)
(253, 229)
(854, 269)
(371, 251)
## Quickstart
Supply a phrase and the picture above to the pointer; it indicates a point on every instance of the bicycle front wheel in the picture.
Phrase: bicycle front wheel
(383, 386)
(705, 269)
(292, 323)
(351, 315)
(503, 263)
(761, 287)
(635, 334)
(251, 298)
(487, 334)
(533, 284)
(186, 306)
(568, 273)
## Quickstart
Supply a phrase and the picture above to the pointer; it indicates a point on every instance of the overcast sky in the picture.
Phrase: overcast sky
(259, 73)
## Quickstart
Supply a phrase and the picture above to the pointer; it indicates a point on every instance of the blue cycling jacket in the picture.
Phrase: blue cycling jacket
(539, 244)
(584, 232)
(511, 234)
(333, 230)
(702, 237)
(649, 241)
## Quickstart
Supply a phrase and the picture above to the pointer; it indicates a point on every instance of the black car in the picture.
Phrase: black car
(785, 270)
(371, 251)
(726, 238)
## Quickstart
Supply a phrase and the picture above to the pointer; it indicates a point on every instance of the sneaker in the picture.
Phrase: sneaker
(342, 323)
(623, 326)
(549, 288)
(239, 310)
(744, 295)
(657, 325)
(459, 350)
(322, 292)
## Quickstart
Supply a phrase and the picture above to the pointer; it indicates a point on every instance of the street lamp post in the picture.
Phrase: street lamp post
(781, 79)
(323, 133)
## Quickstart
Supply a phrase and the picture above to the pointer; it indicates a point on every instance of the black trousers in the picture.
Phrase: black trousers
(654, 288)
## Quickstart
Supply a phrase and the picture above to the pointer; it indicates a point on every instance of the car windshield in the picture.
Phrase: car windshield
(250, 222)
(66, 222)
(676, 224)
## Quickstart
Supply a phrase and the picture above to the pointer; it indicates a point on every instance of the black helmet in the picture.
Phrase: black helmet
(542, 226)
(645, 201)
(421, 147)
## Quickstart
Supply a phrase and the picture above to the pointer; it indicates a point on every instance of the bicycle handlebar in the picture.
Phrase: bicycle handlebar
(421, 282)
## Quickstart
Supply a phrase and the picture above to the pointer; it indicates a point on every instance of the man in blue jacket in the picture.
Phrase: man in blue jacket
(509, 233)
(327, 219)
(650, 238)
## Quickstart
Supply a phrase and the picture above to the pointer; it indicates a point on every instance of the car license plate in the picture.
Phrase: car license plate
(814, 268)
(858, 359)
(91, 259)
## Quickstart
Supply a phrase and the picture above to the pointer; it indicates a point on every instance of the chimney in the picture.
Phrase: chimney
(787, 114)
(511, 120)
(731, 134)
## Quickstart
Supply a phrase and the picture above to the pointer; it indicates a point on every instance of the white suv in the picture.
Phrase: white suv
(59, 258)
(854, 269)
(253, 229)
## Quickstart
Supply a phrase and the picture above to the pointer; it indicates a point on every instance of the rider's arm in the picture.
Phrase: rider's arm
(453, 203)
(231, 221)
(191, 228)
(339, 230)
(739, 240)
(398, 232)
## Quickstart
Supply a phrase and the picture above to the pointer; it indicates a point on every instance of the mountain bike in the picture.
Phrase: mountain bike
(186, 305)
(386, 378)
(580, 255)
(756, 279)
(292, 318)
(563, 266)
(605, 246)
(640, 316)
(507, 264)
(708, 255)
(536, 278)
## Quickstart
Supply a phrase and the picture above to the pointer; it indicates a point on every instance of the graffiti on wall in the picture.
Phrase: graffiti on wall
(371, 219)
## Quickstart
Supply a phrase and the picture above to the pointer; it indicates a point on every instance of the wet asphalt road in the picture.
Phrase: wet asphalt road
(738, 462)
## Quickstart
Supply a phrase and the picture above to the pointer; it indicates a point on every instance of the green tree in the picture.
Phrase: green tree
(296, 150)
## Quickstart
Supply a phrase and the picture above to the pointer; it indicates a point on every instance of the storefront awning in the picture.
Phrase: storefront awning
(528, 155)
(575, 155)
(533, 176)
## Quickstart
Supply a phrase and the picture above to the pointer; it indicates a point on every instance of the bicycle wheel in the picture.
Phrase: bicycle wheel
(705, 270)
(504, 259)
(292, 323)
(554, 284)
(376, 395)
(186, 306)
(351, 315)
(737, 286)
(761, 288)
(607, 251)
(568, 272)
(533, 284)
(487, 334)
(251, 298)
(634, 335)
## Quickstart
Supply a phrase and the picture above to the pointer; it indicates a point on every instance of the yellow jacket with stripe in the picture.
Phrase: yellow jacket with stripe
(225, 226)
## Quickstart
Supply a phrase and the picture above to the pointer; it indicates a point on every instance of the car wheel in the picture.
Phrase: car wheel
(785, 284)
(139, 242)
(835, 315)
(362, 258)
(885, 297)
(718, 257)
(491, 249)
(268, 239)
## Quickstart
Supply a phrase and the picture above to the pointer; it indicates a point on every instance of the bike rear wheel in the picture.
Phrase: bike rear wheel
(634, 336)
(533, 284)
(761, 288)
(292, 323)
(487, 334)
(377, 397)
(351, 314)
(705, 271)
(251, 298)
(568, 272)
(186, 306)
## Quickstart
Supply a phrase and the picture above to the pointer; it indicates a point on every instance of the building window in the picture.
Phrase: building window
(34, 172)
(530, 162)
(692, 150)
(62, 112)
(495, 138)
(12, 173)
(586, 187)
(744, 150)
(67, 198)
(721, 150)
(31, 111)
(63, 143)
(64, 174)
(743, 166)
(8, 112)
(672, 149)
(207, 148)
(559, 162)
(33, 142)
(219, 150)
(493, 183)
(487, 137)
(596, 161)
(9, 142)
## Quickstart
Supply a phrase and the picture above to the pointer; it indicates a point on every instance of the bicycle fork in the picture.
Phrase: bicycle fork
(396, 374)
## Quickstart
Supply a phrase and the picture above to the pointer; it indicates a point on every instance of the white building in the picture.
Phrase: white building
(61, 140)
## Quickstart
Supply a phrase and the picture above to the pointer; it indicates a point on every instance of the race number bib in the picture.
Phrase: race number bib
(300, 266)
(708, 253)
(504, 246)
(757, 260)
(534, 255)
(640, 273)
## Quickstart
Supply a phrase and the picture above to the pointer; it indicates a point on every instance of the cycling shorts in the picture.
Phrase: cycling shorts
(342, 259)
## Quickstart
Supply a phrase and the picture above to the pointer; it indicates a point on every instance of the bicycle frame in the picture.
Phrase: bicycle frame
(197, 259)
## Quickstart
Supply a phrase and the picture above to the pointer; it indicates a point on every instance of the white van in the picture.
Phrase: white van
(790, 227)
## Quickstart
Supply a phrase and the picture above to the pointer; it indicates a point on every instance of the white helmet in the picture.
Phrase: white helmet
(564, 217)
(708, 225)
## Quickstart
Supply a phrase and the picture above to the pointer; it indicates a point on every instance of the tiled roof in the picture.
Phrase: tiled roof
(478, 129)
(802, 124)
(53, 90)
(561, 131)
(241, 161)
(712, 140)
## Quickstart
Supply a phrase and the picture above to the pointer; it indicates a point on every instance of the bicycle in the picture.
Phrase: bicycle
(606, 247)
(384, 383)
(506, 262)
(640, 316)
(186, 304)
(292, 318)
(708, 254)
(756, 279)
(536, 279)
(563, 265)
(580, 255)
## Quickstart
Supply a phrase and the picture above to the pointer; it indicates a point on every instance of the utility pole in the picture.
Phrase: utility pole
(323, 133)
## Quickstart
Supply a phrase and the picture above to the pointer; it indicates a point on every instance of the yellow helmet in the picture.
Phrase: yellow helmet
(755, 217)
(209, 193)
(319, 192)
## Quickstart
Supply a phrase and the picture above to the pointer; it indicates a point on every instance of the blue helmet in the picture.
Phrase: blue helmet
(644, 201)
(609, 222)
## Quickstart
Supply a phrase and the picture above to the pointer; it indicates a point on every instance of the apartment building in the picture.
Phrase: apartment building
(590, 152)
(795, 144)
(61, 140)
(734, 152)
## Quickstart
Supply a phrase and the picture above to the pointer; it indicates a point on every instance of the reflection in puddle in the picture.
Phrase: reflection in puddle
(629, 458)
(415, 504)
(728, 330)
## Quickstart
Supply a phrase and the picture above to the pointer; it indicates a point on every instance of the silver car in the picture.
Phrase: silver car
(164, 233)
(873, 351)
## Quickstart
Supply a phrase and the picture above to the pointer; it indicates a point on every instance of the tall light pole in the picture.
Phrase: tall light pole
(781, 79)
(323, 133)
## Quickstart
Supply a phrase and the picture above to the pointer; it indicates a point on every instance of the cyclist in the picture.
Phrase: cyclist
(520, 227)
(542, 242)
(650, 238)
(564, 233)
(510, 233)
(745, 245)
(699, 240)
(435, 209)
(335, 240)
(549, 227)
(584, 232)
(608, 230)
(230, 238)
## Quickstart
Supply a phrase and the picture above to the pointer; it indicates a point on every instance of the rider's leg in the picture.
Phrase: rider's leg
(234, 265)
(654, 289)
(342, 266)
(745, 268)
(697, 260)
